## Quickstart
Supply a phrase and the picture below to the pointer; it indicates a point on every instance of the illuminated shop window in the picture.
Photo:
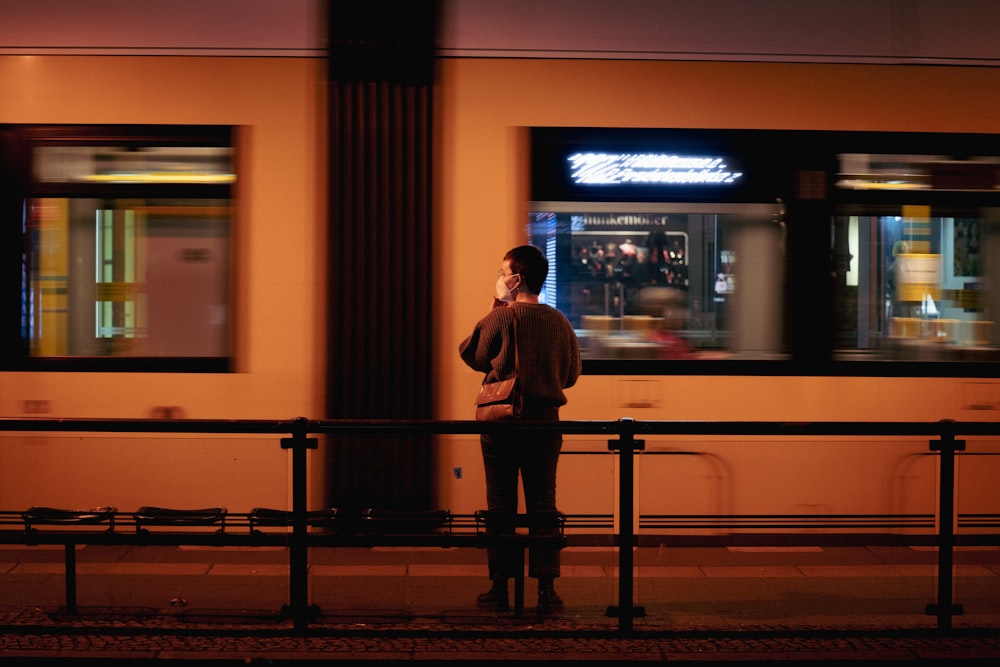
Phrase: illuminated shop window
(666, 281)
(128, 253)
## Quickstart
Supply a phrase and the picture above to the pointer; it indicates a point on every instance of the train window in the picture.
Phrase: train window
(666, 281)
(700, 251)
(126, 249)
(913, 279)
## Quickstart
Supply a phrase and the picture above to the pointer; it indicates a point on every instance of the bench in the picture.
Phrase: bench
(215, 526)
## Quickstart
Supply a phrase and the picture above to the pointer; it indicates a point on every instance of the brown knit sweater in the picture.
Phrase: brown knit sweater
(548, 351)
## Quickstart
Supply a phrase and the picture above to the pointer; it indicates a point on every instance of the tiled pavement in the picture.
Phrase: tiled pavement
(712, 605)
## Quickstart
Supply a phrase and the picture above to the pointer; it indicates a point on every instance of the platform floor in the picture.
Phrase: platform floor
(804, 604)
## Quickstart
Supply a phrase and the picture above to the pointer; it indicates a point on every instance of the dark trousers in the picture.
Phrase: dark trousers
(534, 456)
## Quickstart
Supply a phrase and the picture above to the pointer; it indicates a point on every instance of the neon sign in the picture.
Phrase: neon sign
(649, 169)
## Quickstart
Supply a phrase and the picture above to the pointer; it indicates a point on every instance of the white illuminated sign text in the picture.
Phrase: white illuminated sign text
(649, 169)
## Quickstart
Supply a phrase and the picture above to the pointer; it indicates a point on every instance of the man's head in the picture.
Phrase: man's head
(528, 262)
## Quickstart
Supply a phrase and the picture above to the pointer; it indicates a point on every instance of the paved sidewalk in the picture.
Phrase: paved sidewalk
(381, 606)
(101, 636)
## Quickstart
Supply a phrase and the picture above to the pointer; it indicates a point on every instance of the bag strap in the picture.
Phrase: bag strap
(517, 369)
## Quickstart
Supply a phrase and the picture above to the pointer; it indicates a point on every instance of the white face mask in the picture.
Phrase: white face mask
(503, 292)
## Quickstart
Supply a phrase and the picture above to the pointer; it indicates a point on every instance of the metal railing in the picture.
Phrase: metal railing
(623, 439)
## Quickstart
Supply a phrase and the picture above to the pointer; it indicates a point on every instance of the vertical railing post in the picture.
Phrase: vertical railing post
(70, 564)
(626, 445)
(298, 553)
(945, 607)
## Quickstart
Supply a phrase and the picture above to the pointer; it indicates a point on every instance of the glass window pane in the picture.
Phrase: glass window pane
(666, 281)
(129, 277)
(913, 280)
(915, 286)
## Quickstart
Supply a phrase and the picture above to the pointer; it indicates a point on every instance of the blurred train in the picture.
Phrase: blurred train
(789, 215)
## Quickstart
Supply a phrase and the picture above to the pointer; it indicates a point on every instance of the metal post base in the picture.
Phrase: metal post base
(935, 610)
(614, 611)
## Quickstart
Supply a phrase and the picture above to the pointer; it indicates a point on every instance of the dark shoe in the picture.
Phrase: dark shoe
(493, 600)
(549, 601)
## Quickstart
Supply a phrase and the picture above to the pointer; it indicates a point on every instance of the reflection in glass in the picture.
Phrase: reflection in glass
(913, 279)
(133, 164)
(143, 278)
(914, 286)
(666, 281)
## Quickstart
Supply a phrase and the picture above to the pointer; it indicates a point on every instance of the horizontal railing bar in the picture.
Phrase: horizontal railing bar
(241, 426)
(812, 521)
(402, 428)
(444, 540)
(780, 524)
(463, 523)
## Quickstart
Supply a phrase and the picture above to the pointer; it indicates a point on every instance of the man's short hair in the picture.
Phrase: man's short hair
(530, 263)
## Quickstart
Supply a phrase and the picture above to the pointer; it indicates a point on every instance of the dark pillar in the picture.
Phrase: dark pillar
(381, 67)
